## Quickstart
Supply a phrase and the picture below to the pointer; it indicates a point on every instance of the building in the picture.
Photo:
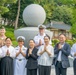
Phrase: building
(58, 28)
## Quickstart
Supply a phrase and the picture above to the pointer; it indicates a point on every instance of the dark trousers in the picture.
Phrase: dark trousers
(59, 69)
(44, 70)
(74, 66)
(31, 71)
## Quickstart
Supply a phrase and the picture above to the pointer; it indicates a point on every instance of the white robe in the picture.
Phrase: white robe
(7, 61)
(11, 51)
(19, 66)
(45, 59)
(38, 37)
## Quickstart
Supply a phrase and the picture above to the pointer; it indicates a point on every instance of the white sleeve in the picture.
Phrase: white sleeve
(3, 52)
(73, 50)
(25, 50)
(13, 53)
(36, 40)
(40, 49)
(16, 50)
(0, 53)
(52, 52)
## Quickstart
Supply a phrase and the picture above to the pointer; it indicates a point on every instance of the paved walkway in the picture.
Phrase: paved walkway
(69, 71)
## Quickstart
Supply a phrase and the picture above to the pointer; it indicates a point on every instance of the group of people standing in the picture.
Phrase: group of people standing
(38, 57)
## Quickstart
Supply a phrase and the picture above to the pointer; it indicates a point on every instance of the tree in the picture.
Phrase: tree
(62, 13)
(55, 10)
(4, 4)
(72, 4)
(73, 29)
(48, 6)
(17, 17)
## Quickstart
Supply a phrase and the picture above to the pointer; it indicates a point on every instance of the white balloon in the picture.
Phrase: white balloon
(34, 14)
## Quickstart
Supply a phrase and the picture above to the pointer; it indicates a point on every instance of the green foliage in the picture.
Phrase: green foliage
(10, 32)
(4, 5)
(3, 9)
(48, 6)
(11, 1)
(7, 1)
(70, 42)
(55, 41)
(58, 10)
(62, 13)
(13, 11)
(15, 43)
(72, 5)
(67, 2)
(73, 29)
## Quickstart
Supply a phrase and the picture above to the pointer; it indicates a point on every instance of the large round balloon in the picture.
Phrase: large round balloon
(33, 15)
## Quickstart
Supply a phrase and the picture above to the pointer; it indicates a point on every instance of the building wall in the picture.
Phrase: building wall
(56, 33)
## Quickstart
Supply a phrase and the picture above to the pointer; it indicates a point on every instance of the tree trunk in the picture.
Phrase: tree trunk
(17, 17)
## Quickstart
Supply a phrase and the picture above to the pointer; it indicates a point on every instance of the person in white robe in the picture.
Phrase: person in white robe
(7, 55)
(46, 54)
(20, 60)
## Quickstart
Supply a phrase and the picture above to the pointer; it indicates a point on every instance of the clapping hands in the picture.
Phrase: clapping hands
(40, 42)
(59, 46)
(30, 51)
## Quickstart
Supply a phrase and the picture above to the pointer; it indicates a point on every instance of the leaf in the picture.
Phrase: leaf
(3, 9)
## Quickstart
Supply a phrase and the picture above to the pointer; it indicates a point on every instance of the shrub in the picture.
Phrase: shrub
(70, 42)
(55, 41)
(10, 33)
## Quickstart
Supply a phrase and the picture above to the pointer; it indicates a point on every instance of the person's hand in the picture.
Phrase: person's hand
(8, 54)
(59, 46)
(40, 42)
(30, 51)
(45, 48)
(75, 54)
(20, 49)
